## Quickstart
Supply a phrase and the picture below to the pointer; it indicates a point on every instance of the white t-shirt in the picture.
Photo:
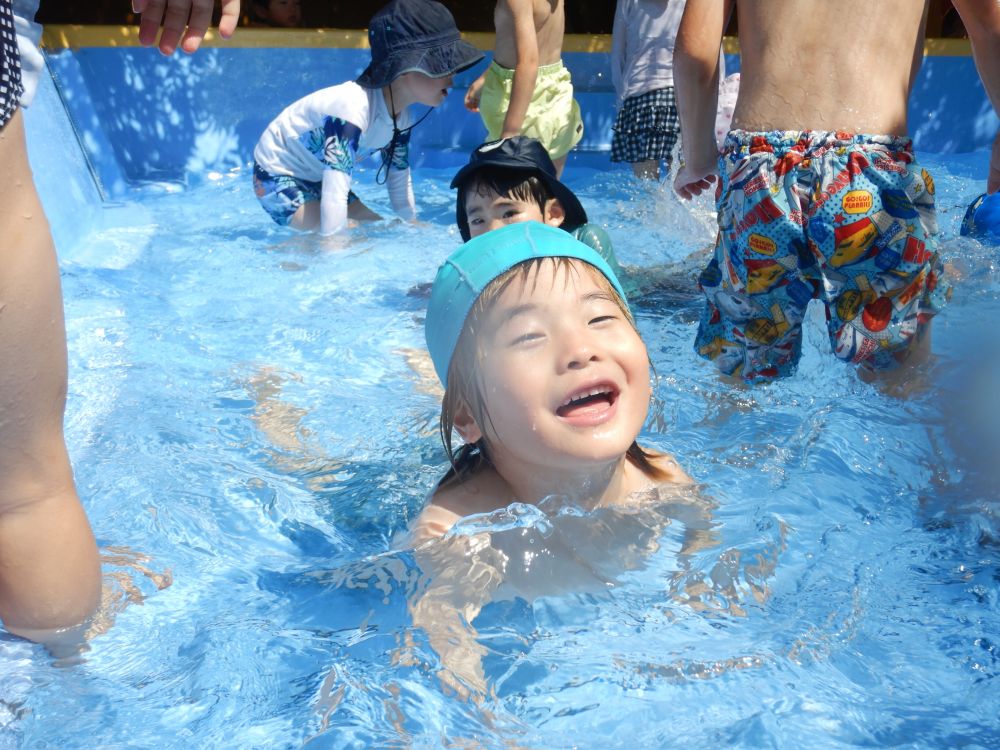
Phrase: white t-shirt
(642, 46)
(323, 135)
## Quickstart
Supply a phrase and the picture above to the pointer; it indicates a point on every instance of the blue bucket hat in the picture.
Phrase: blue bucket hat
(982, 219)
(463, 276)
(415, 35)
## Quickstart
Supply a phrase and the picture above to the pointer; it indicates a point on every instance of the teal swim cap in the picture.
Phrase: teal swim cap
(463, 276)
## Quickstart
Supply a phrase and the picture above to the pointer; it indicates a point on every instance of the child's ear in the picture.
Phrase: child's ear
(555, 214)
(466, 425)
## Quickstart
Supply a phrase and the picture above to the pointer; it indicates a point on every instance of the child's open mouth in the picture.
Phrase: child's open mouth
(589, 404)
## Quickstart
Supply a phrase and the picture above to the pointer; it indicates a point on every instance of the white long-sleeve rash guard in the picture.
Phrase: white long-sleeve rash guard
(319, 139)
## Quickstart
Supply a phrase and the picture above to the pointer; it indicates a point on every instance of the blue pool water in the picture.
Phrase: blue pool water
(249, 433)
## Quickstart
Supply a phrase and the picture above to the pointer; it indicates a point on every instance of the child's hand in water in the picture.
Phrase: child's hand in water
(473, 93)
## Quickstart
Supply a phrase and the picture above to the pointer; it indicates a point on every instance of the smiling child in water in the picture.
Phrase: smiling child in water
(546, 379)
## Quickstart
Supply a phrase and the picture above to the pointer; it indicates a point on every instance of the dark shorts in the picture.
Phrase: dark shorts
(10, 65)
(282, 195)
(646, 128)
(845, 219)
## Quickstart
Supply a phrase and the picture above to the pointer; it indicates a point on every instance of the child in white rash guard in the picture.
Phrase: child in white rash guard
(304, 161)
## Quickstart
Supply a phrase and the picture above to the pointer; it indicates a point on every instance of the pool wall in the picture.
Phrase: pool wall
(112, 115)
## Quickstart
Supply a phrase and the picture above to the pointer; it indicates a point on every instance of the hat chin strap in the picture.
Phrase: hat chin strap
(389, 151)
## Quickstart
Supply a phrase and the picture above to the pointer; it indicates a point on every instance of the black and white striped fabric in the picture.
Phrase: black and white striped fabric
(10, 65)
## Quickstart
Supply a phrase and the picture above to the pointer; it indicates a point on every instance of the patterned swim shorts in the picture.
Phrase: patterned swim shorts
(282, 195)
(846, 219)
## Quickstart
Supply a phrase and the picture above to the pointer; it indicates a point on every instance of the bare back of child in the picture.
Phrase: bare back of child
(547, 25)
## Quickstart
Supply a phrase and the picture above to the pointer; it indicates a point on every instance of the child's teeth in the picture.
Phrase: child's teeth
(582, 396)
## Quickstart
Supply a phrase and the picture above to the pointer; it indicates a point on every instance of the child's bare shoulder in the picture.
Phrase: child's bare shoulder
(482, 492)
(669, 466)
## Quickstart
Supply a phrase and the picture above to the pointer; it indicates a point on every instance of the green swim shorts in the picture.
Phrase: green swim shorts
(553, 116)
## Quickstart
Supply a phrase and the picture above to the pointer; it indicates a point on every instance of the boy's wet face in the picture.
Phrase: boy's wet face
(564, 375)
(487, 211)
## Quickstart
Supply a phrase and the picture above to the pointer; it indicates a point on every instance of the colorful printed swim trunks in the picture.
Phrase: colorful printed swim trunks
(846, 219)
(282, 195)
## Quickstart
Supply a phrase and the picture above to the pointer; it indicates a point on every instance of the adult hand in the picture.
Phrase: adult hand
(183, 21)
(690, 182)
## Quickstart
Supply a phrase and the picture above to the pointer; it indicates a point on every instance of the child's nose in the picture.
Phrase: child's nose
(578, 351)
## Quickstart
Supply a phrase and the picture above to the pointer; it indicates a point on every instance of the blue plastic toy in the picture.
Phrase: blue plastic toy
(982, 219)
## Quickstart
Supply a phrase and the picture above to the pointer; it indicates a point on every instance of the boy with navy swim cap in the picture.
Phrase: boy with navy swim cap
(513, 180)
(304, 161)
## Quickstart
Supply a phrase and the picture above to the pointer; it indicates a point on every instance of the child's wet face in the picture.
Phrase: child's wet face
(487, 211)
(426, 90)
(564, 375)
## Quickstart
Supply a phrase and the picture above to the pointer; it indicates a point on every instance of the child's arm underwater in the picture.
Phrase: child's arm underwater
(463, 573)
(525, 68)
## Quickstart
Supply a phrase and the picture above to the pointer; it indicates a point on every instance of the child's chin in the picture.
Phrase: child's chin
(603, 454)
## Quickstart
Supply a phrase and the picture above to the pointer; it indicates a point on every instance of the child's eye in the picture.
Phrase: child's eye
(601, 319)
(510, 213)
(475, 222)
(526, 338)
